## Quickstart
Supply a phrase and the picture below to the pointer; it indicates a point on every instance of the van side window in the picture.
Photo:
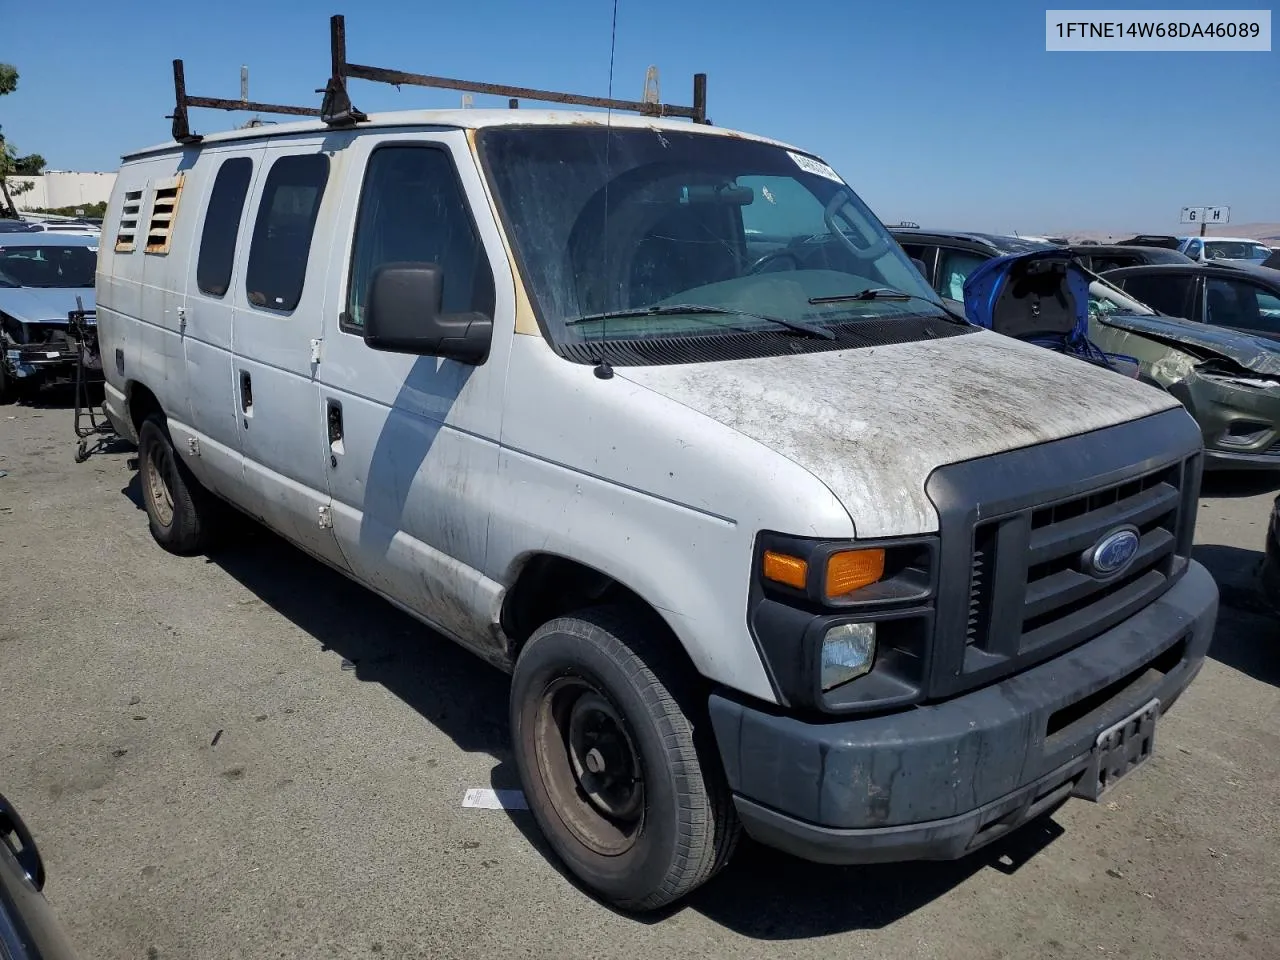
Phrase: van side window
(282, 234)
(221, 224)
(412, 210)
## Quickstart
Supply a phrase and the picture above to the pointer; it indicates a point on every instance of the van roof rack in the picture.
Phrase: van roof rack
(336, 109)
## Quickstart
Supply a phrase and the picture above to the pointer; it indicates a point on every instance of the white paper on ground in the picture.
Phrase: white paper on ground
(485, 799)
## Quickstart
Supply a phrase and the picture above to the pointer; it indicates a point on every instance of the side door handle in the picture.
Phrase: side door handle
(246, 392)
(333, 420)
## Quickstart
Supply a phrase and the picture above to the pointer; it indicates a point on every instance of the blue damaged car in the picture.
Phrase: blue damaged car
(1041, 297)
(41, 277)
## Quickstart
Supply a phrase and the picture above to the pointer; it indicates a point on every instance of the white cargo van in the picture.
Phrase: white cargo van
(659, 418)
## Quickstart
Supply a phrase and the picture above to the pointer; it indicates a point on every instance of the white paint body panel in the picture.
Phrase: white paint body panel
(210, 323)
(282, 433)
(449, 478)
(413, 478)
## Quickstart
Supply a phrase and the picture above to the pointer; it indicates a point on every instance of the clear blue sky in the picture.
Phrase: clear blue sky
(948, 113)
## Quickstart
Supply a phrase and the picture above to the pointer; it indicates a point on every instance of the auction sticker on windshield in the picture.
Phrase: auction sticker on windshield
(810, 165)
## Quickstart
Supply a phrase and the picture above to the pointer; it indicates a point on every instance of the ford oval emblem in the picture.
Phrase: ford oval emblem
(1113, 552)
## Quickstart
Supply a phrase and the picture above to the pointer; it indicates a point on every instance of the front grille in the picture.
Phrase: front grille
(1031, 592)
(980, 583)
(1013, 588)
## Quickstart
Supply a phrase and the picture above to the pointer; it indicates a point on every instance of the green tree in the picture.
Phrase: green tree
(11, 164)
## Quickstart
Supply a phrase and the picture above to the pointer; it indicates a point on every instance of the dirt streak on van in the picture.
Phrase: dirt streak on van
(660, 419)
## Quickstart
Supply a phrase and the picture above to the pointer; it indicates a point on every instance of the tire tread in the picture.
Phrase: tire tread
(641, 646)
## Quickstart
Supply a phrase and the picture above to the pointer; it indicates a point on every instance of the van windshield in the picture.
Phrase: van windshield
(615, 230)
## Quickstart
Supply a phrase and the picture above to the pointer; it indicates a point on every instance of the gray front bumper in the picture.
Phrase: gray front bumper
(937, 781)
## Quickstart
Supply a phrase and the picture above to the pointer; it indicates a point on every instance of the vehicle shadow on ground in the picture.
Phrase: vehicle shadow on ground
(1239, 483)
(761, 894)
(464, 697)
(60, 396)
(1247, 637)
(768, 895)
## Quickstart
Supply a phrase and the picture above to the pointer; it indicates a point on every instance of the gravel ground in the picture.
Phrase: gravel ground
(247, 756)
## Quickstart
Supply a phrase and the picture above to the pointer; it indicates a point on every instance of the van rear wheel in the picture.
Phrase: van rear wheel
(618, 765)
(180, 512)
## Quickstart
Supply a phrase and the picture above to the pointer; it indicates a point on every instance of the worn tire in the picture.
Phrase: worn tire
(187, 526)
(687, 828)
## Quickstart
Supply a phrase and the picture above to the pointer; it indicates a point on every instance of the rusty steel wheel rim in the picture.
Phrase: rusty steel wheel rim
(588, 761)
(157, 484)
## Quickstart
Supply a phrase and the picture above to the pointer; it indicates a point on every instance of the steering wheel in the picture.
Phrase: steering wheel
(768, 258)
(873, 251)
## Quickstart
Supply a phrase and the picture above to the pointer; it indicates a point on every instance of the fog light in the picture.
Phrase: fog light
(847, 652)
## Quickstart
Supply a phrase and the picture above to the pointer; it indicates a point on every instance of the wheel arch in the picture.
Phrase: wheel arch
(548, 585)
(140, 403)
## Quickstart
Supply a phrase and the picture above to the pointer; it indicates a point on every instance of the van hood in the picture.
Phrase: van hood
(873, 423)
(36, 304)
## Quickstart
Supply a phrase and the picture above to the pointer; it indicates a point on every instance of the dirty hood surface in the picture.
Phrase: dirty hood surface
(1253, 353)
(873, 423)
(28, 304)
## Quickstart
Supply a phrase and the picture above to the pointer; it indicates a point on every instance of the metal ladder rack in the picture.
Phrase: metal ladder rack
(337, 110)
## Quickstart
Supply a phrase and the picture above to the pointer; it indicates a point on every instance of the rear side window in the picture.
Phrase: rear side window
(955, 270)
(412, 210)
(221, 224)
(1169, 295)
(282, 234)
(1112, 262)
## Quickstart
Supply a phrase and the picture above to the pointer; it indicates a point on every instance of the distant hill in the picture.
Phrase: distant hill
(1268, 233)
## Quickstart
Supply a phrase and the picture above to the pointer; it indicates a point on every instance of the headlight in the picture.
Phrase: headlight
(844, 625)
(848, 651)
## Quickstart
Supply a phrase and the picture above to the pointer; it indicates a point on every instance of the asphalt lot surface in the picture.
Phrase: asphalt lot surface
(247, 756)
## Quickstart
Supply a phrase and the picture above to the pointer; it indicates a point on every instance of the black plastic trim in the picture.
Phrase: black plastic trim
(703, 348)
(787, 625)
(947, 839)
(931, 762)
(990, 489)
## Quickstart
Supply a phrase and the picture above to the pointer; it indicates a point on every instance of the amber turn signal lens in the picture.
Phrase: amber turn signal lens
(851, 569)
(781, 568)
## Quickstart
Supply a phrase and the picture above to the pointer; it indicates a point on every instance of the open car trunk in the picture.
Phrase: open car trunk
(1041, 297)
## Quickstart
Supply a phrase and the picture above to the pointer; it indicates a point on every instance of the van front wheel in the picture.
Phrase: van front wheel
(179, 510)
(618, 767)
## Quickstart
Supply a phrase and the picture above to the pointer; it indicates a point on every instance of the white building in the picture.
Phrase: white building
(63, 188)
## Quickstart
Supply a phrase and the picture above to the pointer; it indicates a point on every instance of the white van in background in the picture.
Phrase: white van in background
(658, 417)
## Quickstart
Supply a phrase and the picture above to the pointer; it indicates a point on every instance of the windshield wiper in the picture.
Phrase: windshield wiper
(888, 293)
(671, 309)
(871, 293)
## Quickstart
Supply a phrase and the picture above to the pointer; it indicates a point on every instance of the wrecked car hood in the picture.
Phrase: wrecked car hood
(1253, 353)
(873, 423)
(35, 304)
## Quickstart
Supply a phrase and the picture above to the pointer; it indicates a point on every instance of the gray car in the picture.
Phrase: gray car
(43, 278)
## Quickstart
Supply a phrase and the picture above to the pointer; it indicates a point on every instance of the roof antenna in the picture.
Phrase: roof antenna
(603, 370)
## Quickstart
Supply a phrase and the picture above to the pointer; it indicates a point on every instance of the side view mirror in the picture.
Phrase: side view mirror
(403, 315)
